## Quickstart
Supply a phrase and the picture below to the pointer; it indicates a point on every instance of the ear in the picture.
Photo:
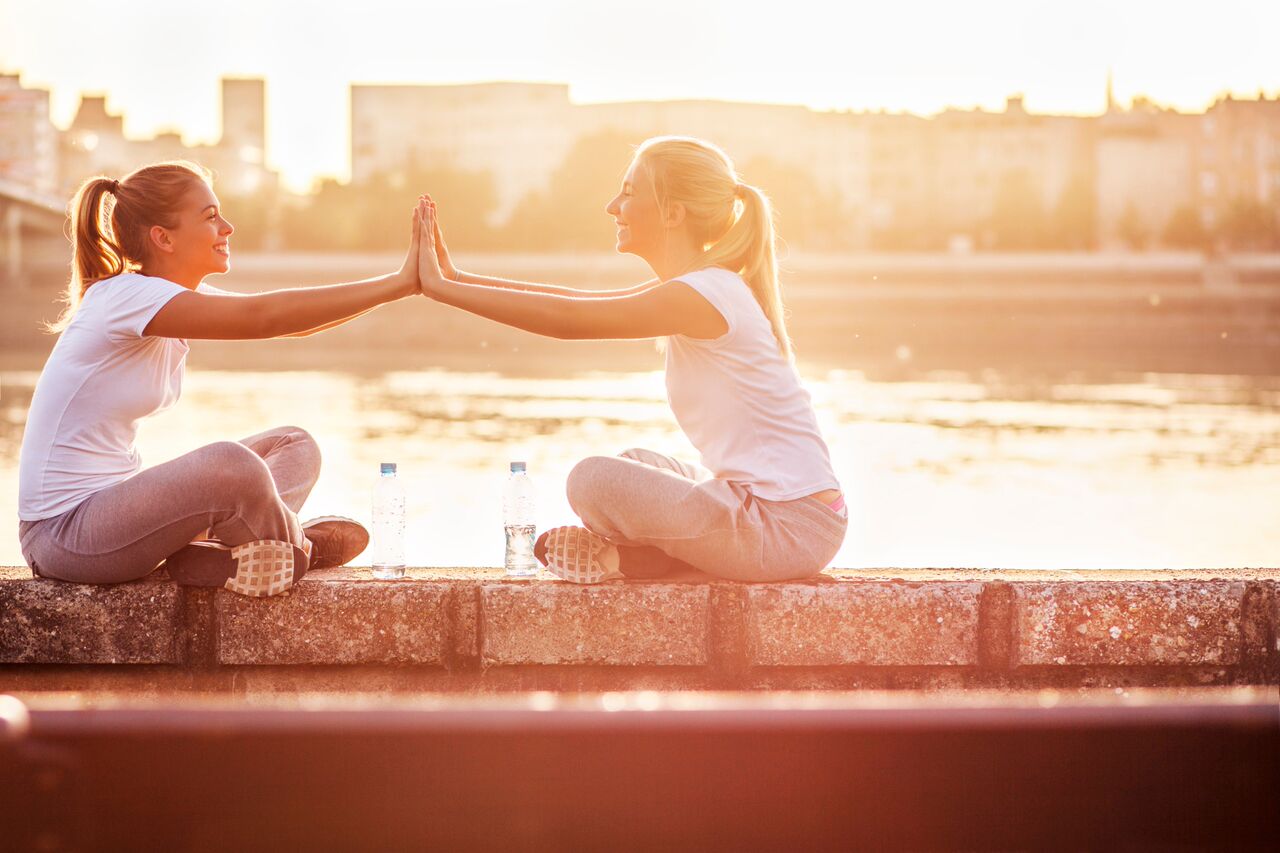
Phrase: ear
(675, 214)
(159, 239)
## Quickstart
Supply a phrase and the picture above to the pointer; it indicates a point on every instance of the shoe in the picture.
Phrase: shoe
(335, 541)
(256, 569)
(577, 555)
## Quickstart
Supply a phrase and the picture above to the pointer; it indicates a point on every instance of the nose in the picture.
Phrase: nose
(227, 228)
(612, 207)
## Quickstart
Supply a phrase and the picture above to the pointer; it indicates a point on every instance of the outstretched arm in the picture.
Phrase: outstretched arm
(672, 308)
(296, 312)
(452, 273)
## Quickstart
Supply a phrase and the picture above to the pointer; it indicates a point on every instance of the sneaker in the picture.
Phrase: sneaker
(577, 555)
(335, 541)
(257, 569)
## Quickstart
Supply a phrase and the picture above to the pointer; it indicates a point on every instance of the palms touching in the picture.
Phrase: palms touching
(429, 273)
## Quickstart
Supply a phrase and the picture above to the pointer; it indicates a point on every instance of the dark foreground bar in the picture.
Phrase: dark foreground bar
(644, 771)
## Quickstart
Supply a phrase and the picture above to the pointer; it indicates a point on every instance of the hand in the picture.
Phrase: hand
(430, 277)
(442, 251)
(407, 275)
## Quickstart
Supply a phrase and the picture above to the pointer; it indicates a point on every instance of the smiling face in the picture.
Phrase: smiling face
(198, 244)
(636, 212)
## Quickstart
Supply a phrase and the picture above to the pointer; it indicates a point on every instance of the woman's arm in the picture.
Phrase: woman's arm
(553, 289)
(296, 312)
(309, 332)
(673, 308)
(452, 273)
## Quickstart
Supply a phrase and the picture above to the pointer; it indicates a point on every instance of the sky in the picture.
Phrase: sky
(159, 62)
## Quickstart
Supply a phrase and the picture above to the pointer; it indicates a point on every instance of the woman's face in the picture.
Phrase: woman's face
(199, 243)
(637, 214)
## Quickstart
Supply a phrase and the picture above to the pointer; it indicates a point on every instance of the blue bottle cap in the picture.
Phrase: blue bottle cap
(517, 467)
(388, 468)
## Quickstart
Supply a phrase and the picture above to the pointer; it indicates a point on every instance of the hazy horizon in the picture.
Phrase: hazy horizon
(916, 57)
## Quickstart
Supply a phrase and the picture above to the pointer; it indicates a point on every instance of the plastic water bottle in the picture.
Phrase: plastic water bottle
(517, 520)
(388, 524)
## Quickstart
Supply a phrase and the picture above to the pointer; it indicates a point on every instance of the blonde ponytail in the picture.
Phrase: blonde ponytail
(733, 220)
(110, 221)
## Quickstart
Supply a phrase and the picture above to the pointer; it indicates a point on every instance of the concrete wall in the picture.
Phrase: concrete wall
(472, 630)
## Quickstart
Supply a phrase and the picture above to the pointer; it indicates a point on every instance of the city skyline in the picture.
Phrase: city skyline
(1058, 57)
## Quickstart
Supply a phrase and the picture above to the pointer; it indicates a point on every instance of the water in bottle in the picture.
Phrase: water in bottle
(517, 520)
(388, 524)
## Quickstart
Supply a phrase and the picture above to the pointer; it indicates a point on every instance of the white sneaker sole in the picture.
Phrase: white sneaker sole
(577, 555)
(263, 568)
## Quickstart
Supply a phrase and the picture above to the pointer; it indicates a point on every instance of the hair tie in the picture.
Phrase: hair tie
(115, 187)
(739, 190)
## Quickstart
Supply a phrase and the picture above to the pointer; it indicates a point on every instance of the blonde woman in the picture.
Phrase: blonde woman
(765, 504)
(88, 511)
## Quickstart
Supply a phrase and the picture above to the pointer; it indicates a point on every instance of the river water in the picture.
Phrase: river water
(1150, 471)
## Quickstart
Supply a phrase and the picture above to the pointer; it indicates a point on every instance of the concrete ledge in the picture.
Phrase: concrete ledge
(870, 624)
(614, 624)
(337, 621)
(473, 630)
(43, 621)
(1132, 623)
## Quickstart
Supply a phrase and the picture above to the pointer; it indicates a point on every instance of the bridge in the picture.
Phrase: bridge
(33, 241)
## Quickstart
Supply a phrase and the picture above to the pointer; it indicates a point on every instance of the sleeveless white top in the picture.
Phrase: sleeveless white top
(102, 377)
(740, 401)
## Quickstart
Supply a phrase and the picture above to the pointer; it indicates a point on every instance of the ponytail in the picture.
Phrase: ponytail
(110, 221)
(95, 254)
(748, 249)
(733, 220)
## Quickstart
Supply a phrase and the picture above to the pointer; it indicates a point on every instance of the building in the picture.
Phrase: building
(95, 144)
(520, 133)
(1145, 171)
(517, 132)
(1236, 159)
(28, 139)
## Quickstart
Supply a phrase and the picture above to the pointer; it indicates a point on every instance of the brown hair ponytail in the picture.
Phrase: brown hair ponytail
(110, 221)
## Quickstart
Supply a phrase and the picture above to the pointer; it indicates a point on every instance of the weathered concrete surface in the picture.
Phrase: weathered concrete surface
(337, 622)
(876, 624)
(655, 624)
(45, 621)
(473, 630)
(1129, 623)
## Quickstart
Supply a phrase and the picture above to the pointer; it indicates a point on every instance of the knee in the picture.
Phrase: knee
(232, 466)
(588, 481)
(304, 440)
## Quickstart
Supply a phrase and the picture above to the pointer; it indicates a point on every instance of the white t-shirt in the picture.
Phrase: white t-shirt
(102, 377)
(740, 401)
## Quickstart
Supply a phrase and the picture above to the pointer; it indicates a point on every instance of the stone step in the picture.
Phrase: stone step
(472, 629)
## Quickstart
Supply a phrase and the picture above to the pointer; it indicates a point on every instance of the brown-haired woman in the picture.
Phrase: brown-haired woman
(223, 514)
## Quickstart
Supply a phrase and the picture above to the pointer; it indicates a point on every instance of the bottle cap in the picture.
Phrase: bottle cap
(388, 468)
(517, 467)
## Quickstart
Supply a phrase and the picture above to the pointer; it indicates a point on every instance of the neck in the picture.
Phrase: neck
(159, 269)
(674, 258)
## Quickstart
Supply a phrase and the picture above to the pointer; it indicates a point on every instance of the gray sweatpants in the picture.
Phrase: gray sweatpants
(238, 491)
(643, 498)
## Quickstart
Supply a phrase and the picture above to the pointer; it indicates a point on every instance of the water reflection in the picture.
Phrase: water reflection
(955, 470)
